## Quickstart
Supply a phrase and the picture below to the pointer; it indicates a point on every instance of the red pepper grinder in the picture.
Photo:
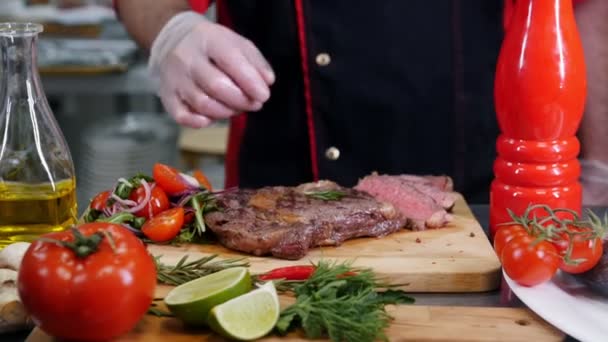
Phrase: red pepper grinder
(539, 91)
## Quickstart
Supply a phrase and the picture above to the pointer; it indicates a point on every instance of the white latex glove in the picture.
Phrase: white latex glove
(594, 179)
(204, 71)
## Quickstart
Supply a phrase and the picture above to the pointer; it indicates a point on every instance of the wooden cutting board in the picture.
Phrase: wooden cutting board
(411, 323)
(457, 258)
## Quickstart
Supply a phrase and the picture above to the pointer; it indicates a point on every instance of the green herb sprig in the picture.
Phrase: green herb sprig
(343, 302)
(185, 271)
(123, 189)
(326, 195)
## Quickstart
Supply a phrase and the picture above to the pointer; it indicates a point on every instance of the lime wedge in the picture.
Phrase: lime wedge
(192, 301)
(249, 316)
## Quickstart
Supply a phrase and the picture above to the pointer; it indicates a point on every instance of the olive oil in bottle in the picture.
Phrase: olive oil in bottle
(28, 211)
(37, 182)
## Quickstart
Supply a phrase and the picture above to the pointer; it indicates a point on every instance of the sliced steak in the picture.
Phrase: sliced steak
(436, 191)
(443, 183)
(287, 221)
(424, 204)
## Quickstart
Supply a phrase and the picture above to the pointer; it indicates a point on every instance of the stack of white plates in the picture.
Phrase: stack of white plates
(122, 147)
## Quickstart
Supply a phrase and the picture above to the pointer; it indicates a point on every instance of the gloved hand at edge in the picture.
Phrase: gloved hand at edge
(203, 71)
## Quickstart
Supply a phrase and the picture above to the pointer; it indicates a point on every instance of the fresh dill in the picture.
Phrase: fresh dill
(342, 302)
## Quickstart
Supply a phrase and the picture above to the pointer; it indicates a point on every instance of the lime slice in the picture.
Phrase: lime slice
(192, 301)
(249, 316)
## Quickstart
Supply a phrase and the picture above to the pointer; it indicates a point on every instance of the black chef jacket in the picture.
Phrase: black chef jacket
(391, 86)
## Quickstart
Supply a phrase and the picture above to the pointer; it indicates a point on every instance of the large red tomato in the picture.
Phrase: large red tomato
(96, 294)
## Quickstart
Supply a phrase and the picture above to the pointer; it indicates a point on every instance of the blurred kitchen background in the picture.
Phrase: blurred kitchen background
(96, 81)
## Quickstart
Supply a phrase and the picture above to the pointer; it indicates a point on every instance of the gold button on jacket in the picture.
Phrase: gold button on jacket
(332, 153)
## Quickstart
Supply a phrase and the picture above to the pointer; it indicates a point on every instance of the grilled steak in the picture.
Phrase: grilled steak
(424, 200)
(287, 221)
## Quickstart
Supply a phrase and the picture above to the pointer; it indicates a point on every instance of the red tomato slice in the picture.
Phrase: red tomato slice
(169, 179)
(188, 217)
(158, 201)
(165, 226)
(202, 179)
(100, 201)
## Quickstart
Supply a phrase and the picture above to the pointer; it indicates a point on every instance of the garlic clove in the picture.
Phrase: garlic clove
(11, 255)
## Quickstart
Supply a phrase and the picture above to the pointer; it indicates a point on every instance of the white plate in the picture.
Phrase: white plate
(567, 304)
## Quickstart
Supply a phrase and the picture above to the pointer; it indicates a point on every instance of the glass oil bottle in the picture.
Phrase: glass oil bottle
(37, 181)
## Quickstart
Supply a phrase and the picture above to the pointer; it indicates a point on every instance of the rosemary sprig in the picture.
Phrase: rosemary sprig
(346, 308)
(155, 311)
(202, 203)
(185, 270)
(326, 195)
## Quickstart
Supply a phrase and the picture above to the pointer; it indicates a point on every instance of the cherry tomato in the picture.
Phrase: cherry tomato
(165, 226)
(529, 264)
(506, 234)
(589, 251)
(97, 294)
(158, 200)
(169, 179)
(202, 179)
(100, 201)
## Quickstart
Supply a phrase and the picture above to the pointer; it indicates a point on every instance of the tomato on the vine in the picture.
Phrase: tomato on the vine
(528, 262)
(164, 226)
(159, 201)
(505, 234)
(100, 201)
(90, 283)
(586, 252)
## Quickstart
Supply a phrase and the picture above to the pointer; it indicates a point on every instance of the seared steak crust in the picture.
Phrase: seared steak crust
(287, 221)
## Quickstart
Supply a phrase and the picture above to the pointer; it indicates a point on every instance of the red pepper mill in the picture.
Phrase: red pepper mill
(540, 90)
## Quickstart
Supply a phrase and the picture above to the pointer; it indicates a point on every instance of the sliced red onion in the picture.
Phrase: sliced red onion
(234, 188)
(122, 180)
(185, 193)
(191, 181)
(150, 213)
(135, 231)
(126, 202)
(107, 211)
(184, 200)
(144, 202)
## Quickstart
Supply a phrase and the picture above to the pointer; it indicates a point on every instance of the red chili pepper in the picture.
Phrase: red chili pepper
(289, 273)
(347, 274)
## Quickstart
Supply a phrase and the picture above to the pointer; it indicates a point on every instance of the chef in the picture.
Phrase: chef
(337, 89)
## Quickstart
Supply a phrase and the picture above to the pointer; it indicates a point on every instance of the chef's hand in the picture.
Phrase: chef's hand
(207, 72)
(594, 179)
